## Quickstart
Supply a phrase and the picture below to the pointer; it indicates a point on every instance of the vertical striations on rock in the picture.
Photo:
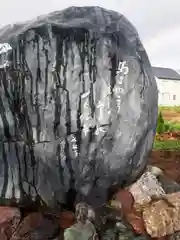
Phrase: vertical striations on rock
(78, 106)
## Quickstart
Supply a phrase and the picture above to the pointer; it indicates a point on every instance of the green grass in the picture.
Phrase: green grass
(167, 145)
(175, 125)
(171, 126)
(173, 108)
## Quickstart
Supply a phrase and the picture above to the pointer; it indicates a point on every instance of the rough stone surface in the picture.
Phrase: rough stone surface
(109, 222)
(78, 106)
(80, 231)
(9, 219)
(67, 219)
(36, 227)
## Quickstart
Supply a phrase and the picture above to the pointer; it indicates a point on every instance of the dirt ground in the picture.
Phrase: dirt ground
(168, 136)
(171, 115)
(169, 161)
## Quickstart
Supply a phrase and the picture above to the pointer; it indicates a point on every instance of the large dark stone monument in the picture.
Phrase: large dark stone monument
(78, 106)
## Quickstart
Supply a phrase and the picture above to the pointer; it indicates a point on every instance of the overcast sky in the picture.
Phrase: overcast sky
(157, 21)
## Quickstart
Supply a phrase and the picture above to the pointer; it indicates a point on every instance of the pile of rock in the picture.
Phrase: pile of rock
(142, 211)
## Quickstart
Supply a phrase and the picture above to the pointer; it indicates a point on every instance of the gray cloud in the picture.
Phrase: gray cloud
(156, 21)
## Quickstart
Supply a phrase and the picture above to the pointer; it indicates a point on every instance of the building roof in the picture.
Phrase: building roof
(165, 73)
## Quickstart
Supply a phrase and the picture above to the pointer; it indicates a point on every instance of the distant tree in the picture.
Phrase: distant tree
(160, 124)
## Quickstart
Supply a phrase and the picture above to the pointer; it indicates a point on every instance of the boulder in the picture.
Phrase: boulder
(78, 106)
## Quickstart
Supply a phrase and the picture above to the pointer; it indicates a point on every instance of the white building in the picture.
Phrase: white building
(168, 83)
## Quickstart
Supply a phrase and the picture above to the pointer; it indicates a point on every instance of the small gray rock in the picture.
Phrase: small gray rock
(80, 231)
(84, 212)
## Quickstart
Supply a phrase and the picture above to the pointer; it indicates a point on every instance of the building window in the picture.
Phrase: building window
(174, 97)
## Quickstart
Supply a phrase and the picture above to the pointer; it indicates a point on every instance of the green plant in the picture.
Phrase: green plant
(176, 126)
(160, 124)
(167, 127)
(171, 126)
(166, 145)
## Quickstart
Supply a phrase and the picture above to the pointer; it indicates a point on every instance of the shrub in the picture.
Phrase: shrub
(160, 124)
(167, 127)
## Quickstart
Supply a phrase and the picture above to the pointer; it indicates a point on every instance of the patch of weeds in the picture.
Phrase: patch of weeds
(167, 144)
